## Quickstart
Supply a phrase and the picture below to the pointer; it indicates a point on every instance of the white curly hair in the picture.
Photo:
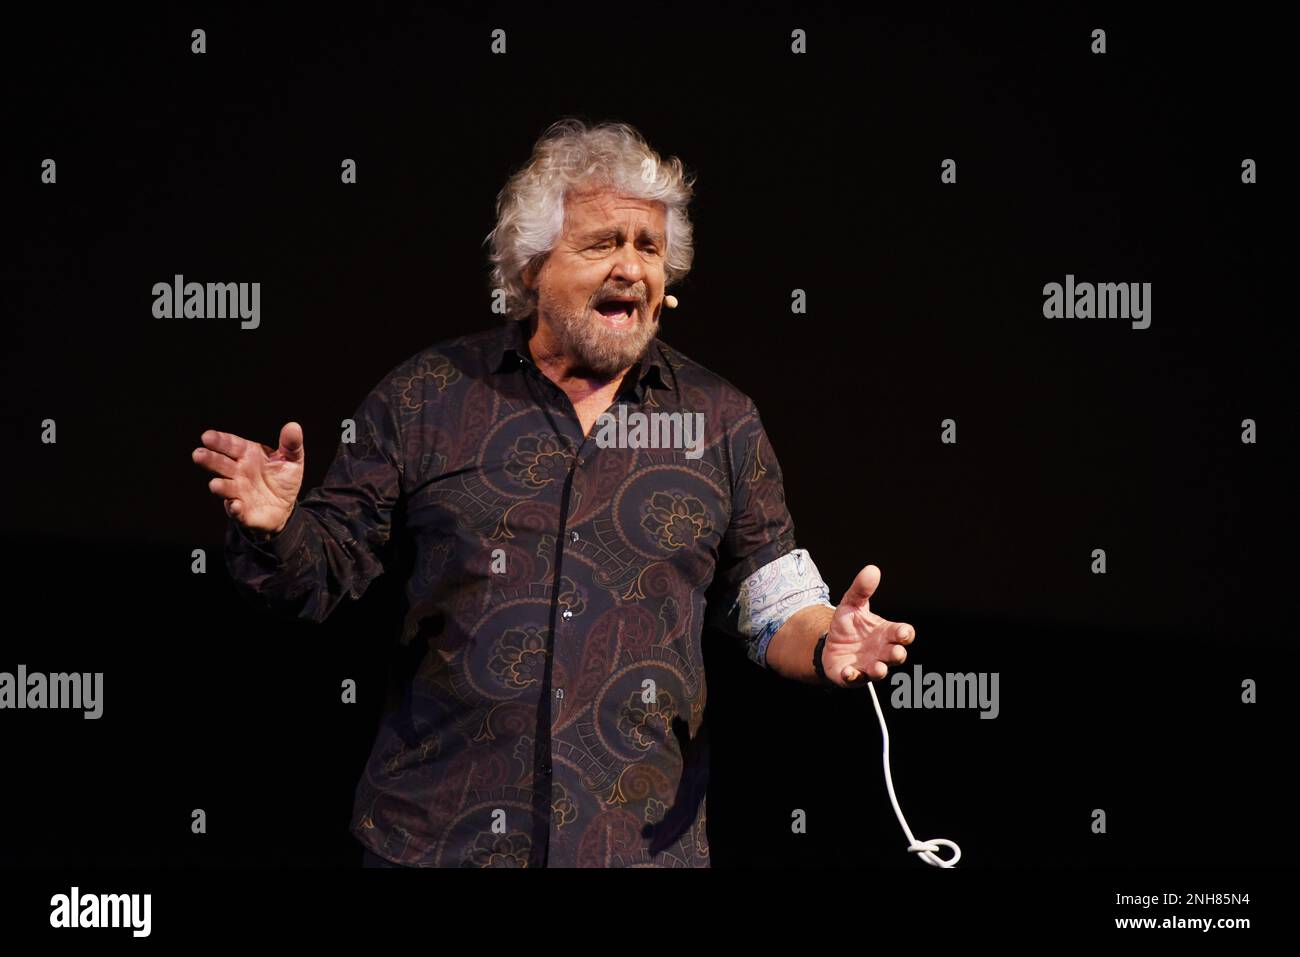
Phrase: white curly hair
(571, 155)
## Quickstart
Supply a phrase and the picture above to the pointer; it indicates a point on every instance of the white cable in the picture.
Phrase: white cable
(927, 850)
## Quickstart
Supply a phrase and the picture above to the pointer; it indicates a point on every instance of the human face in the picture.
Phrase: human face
(612, 248)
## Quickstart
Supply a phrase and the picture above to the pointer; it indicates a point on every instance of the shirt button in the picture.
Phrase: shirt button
(574, 536)
(568, 613)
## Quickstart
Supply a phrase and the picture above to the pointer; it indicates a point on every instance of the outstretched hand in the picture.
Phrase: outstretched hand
(859, 641)
(259, 484)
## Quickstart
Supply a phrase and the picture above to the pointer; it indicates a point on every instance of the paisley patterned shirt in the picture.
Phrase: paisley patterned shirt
(551, 681)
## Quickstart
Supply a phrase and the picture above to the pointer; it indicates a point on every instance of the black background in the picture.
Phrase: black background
(819, 172)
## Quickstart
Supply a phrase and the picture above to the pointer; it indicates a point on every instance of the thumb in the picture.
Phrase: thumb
(863, 587)
(291, 442)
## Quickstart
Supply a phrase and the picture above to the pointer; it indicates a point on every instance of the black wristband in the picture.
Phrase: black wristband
(817, 662)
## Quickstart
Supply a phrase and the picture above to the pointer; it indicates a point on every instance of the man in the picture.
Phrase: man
(560, 572)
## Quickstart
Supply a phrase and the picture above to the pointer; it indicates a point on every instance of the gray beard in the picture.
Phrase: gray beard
(598, 350)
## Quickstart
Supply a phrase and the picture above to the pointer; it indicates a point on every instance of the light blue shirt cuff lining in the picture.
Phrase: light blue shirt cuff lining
(767, 599)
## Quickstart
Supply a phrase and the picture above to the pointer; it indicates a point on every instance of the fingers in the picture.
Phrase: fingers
(875, 671)
(291, 441)
(863, 587)
(899, 635)
(219, 445)
(215, 462)
(891, 638)
(226, 443)
(851, 675)
(223, 487)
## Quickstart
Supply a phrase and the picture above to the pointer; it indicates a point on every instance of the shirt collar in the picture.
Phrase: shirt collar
(647, 373)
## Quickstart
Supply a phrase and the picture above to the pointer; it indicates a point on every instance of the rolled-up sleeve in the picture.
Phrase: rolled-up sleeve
(756, 609)
(761, 578)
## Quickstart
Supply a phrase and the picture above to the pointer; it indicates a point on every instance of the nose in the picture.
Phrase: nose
(627, 265)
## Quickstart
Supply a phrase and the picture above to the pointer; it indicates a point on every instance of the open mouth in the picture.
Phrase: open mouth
(617, 312)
